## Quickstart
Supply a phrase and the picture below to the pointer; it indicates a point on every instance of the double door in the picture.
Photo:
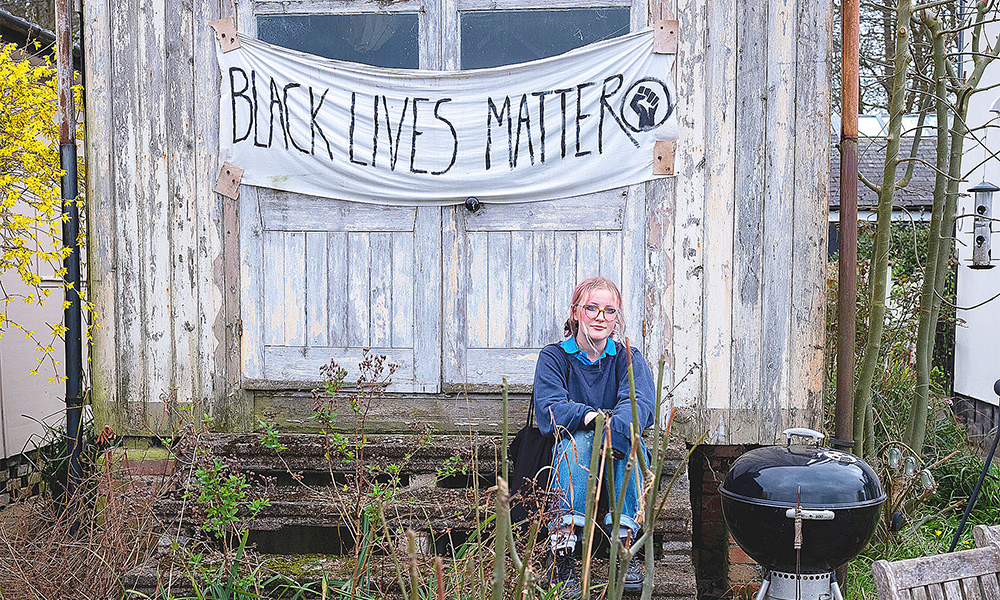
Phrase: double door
(454, 297)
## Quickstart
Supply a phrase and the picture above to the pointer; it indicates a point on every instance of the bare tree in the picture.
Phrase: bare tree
(925, 76)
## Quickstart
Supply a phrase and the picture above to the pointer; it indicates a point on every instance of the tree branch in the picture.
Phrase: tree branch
(973, 307)
(920, 7)
(916, 143)
(868, 184)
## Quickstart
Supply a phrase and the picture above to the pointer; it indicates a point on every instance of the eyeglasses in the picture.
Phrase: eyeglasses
(592, 310)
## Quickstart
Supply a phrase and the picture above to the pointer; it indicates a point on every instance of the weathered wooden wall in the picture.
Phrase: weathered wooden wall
(158, 233)
(737, 239)
(734, 245)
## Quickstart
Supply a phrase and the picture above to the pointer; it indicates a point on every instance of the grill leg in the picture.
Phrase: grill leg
(763, 589)
(836, 591)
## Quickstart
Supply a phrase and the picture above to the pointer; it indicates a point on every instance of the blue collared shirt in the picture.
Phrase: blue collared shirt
(571, 348)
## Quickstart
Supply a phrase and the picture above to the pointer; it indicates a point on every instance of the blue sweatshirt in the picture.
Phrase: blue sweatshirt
(570, 389)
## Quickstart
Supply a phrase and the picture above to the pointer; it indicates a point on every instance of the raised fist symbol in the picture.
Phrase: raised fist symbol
(644, 103)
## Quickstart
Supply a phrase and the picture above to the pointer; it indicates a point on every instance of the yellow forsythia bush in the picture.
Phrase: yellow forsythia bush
(30, 196)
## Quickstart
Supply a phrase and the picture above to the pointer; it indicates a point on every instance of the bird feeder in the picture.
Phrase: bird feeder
(982, 220)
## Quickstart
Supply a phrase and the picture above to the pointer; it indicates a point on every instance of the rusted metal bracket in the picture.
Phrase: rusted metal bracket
(228, 183)
(663, 157)
(225, 32)
(665, 34)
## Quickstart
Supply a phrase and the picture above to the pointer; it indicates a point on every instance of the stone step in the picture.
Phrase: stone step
(309, 503)
(674, 577)
(414, 454)
(423, 508)
(426, 499)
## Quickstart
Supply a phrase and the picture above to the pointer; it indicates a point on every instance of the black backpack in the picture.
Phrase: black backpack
(531, 455)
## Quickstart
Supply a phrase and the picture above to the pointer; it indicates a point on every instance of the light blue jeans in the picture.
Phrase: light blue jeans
(571, 465)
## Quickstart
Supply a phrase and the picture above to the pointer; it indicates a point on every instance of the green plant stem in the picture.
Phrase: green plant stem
(478, 566)
(632, 402)
(360, 564)
(500, 550)
(924, 326)
(869, 431)
(593, 483)
(529, 581)
(618, 504)
(648, 523)
(609, 485)
(411, 551)
(916, 425)
(514, 556)
(663, 499)
(615, 591)
(503, 446)
(532, 534)
(395, 559)
(503, 459)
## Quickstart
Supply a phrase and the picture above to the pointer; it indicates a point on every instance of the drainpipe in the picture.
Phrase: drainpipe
(847, 287)
(848, 263)
(70, 233)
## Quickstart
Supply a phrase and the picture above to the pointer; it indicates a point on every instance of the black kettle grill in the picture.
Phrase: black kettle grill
(831, 497)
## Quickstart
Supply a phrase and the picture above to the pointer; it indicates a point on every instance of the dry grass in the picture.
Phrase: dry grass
(50, 550)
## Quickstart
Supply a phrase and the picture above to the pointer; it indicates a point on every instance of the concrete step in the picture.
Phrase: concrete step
(673, 579)
(310, 487)
(421, 509)
(416, 454)
(301, 477)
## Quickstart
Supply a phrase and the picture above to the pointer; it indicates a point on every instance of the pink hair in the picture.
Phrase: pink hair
(581, 291)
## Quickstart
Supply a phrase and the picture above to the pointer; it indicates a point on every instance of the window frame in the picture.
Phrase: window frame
(439, 21)
(428, 23)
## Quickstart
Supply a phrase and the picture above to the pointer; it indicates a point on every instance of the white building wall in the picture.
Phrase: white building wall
(26, 399)
(977, 335)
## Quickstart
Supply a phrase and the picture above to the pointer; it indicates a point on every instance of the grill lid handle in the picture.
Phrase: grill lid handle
(802, 432)
(811, 515)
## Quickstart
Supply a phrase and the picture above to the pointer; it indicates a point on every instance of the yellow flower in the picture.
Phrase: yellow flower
(31, 205)
(937, 532)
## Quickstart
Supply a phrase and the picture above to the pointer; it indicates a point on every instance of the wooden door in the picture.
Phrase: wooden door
(510, 271)
(333, 278)
(453, 297)
(325, 279)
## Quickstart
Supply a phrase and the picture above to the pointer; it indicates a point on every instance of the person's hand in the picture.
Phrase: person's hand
(589, 420)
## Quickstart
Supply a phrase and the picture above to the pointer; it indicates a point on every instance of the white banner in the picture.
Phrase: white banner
(572, 124)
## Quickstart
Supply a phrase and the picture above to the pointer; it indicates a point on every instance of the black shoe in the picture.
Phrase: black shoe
(634, 576)
(563, 570)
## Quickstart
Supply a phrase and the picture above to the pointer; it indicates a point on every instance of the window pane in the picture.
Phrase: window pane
(380, 40)
(504, 37)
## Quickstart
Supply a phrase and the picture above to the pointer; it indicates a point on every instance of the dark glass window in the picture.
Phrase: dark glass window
(504, 37)
(380, 40)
